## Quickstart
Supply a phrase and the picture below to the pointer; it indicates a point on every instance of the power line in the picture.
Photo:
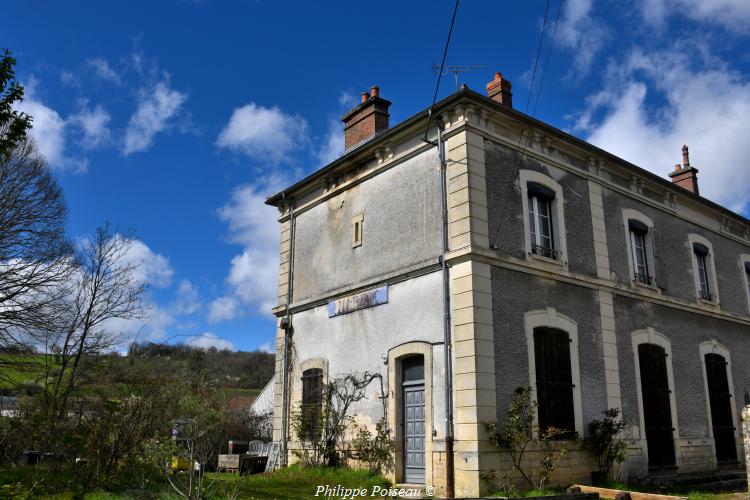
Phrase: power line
(541, 84)
(442, 66)
(549, 54)
(536, 61)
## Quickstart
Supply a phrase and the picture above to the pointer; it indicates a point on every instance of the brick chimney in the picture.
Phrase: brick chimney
(366, 120)
(684, 175)
(499, 90)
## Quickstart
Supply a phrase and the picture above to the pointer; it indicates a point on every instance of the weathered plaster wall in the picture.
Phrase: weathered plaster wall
(506, 215)
(513, 294)
(673, 255)
(401, 208)
(356, 342)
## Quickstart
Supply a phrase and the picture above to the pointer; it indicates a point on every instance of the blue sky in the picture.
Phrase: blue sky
(176, 119)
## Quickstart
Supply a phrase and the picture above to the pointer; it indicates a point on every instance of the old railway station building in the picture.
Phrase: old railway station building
(471, 250)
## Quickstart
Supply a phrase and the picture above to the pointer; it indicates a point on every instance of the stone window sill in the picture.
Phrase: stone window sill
(645, 286)
(710, 303)
(548, 260)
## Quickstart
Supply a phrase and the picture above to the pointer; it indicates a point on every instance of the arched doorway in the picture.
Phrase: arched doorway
(720, 401)
(657, 410)
(413, 400)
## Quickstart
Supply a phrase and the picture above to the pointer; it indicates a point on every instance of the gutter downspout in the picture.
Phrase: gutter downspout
(447, 343)
(287, 325)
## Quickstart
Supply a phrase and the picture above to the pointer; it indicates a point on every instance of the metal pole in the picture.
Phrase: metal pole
(447, 343)
(287, 335)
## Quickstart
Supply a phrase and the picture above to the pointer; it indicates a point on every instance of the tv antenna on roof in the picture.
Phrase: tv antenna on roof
(457, 69)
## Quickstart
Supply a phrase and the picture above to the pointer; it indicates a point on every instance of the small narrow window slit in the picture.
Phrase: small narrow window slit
(357, 226)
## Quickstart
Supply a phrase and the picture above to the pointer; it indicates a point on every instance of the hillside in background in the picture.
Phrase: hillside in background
(235, 373)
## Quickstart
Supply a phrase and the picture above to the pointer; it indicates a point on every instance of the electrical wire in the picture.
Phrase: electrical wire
(440, 73)
(536, 61)
(521, 137)
(546, 62)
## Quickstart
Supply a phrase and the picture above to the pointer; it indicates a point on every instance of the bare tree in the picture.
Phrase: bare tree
(102, 291)
(35, 257)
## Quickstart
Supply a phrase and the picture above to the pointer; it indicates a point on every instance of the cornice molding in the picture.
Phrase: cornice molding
(556, 273)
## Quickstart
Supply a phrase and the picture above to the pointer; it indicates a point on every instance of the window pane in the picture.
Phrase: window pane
(413, 368)
(532, 221)
(540, 225)
(640, 262)
(702, 275)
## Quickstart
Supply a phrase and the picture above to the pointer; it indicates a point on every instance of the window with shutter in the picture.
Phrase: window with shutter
(638, 250)
(554, 383)
(540, 220)
(701, 253)
(312, 402)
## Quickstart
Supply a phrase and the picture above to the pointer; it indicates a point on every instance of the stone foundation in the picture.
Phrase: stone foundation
(696, 455)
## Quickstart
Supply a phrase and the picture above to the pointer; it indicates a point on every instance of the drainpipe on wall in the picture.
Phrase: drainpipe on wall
(286, 324)
(447, 344)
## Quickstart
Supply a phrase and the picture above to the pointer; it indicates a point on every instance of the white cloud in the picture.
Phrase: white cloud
(188, 300)
(152, 326)
(223, 309)
(150, 268)
(49, 131)
(68, 78)
(733, 15)
(264, 134)
(93, 123)
(333, 145)
(581, 33)
(254, 273)
(347, 100)
(207, 339)
(706, 106)
(157, 105)
(103, 70)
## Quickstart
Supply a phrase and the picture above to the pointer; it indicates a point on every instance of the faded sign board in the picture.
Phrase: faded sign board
(363, 300)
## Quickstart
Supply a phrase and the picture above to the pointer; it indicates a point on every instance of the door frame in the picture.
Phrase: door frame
(395, 406)
(651, 336)
(714, 347)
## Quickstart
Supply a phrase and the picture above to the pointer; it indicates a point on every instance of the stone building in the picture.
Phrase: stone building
(539, 260)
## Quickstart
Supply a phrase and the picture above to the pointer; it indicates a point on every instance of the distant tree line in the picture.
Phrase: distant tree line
(222, 367)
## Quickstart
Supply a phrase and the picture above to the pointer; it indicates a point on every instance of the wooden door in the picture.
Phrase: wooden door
(720, 400)
(657, 410)
(414, 433)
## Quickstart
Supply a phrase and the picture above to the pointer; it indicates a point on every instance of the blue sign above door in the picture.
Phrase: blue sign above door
(351, 303)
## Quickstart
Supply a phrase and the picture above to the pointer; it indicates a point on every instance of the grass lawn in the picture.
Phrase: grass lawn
(288, 483)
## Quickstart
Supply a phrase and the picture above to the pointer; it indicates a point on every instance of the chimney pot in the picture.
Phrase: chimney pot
(367, 119)
(685, 156)
(684, 175)
(499, 89)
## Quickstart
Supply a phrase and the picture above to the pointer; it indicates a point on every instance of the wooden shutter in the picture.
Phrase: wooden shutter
(312, 401)
(554, 381)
